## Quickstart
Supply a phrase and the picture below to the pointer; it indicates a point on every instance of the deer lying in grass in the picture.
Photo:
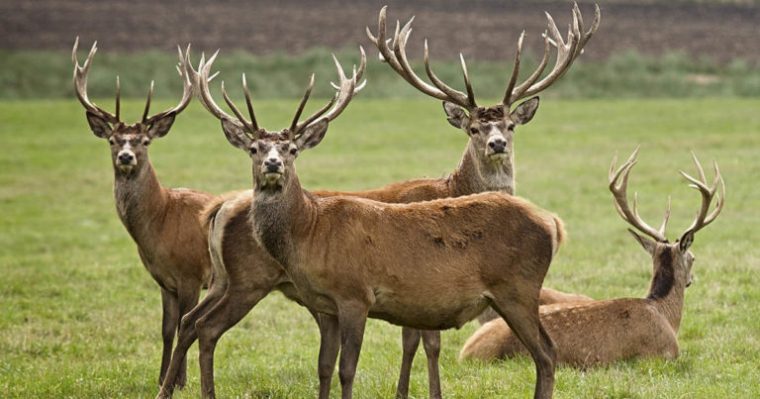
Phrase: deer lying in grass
(602, 332)
(162, 222)
(487, 165)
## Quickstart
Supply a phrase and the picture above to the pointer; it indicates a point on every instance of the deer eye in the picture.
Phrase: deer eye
(474, 130)
(294, 151)
(146, 142)
(111, 141)
(253, 150)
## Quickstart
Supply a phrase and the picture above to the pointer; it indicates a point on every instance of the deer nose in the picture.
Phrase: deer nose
(273, 165)
(497, 145)
(126, 158)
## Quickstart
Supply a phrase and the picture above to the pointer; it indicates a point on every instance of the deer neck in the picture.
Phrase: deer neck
(475, 174)
(667, 290)
(278, 214)
(140, 201)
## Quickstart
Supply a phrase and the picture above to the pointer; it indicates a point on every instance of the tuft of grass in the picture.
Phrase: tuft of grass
(81, 317)
(44, 74)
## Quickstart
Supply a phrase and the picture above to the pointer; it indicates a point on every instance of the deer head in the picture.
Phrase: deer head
(128, 142)
(274, 152)
(672, 261)
(491, 129)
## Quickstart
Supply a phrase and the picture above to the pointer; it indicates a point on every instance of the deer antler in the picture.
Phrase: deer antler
(567, 52)
(187, 90)
(345, 91)
(708, 193)
(80, 84)
(619, 191)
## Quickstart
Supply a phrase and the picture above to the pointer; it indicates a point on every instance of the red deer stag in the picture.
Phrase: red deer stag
(487, 165)
(602, 332)
(426, 265)
(162, 222)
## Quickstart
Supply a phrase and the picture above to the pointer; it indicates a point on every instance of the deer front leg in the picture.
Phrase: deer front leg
(188, 298)
(351, 319)
(431, 341)
(328, 351)
(169, 323)
(410, 340)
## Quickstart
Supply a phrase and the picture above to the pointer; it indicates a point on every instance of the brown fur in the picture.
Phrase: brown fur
(163, 223)
(601, 332)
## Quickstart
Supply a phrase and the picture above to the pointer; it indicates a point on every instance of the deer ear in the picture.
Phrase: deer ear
(648, 244)
(160, 127)
(236, 135)
(685, 241)
(525, 111)
(456, 116)
(313, 134)
(99, 126)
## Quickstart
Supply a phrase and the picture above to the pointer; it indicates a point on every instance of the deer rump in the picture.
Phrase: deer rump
(428, 265)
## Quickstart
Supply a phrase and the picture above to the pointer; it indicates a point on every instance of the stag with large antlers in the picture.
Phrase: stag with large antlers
(490, 152)
(487, 165)
(162, 222)
(419, 265)
(602, 332)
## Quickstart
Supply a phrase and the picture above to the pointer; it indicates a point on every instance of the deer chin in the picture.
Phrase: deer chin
(498, 157)
(125, 168)
(272, 178)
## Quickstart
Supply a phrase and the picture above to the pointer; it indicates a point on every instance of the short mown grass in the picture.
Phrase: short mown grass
(79, 317)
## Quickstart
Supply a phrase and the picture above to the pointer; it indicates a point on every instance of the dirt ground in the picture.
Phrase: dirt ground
(482, 29)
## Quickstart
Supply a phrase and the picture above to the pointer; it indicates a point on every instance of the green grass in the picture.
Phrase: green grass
(31, 74)
(80, 317)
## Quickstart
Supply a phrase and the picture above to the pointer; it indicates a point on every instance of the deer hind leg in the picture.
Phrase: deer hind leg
(186, 337)
(233, 306)
(431, 341)
(521, 314)
(351, 318)
(410, 340)
(170, 316)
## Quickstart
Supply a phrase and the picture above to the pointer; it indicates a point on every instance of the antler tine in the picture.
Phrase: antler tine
(236, 111)
(708, 193)
(118, 97)
(382, 43)
(453, 95)
(80, 83)
(187, 89)
(515, 71)
(665, 219)
(248, 103)
(619, 192)
(294, 124)
(147, 103)
(468, 86)
(202, 79)
(567, 52)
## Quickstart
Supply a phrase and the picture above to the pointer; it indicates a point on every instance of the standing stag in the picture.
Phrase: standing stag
(602, 332)
(163, 222)
(487, 165)
(427, 265)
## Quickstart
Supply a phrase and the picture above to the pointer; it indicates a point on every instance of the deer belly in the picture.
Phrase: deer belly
(428, 312)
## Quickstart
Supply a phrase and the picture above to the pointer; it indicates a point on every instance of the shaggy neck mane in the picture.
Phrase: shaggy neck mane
(276, 213)
(475, 174)
(666, 290)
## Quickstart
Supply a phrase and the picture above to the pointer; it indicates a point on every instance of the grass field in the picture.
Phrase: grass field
(80, 317)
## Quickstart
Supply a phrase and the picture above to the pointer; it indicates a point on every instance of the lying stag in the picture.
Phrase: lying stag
(162, 222)
(426, 265)
(603, 332)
